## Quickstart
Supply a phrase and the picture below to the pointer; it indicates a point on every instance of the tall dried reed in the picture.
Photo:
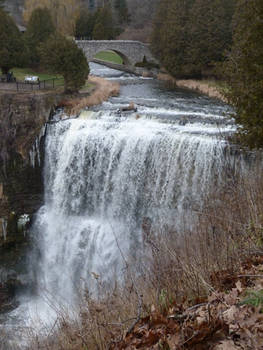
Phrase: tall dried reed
(104, 90)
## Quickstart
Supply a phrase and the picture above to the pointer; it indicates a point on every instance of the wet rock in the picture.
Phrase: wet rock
(9, 284)
(22, 119)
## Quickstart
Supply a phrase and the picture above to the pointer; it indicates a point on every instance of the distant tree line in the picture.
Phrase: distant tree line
(106, 23)
(98, 25)
(74, 18)
(63, 13)
(189, 36)
(219, 38)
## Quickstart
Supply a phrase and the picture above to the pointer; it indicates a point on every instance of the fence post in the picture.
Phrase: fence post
(53, 83)
(44, 84)
(16, 86)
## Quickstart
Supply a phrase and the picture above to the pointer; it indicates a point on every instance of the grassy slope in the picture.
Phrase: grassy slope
(109, 56)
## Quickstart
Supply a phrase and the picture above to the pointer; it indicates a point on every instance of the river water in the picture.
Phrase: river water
(108, 171)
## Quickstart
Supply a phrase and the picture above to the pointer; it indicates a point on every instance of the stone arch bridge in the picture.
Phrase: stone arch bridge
(130, 51)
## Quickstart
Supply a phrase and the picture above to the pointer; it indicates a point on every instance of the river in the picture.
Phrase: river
(108, 171)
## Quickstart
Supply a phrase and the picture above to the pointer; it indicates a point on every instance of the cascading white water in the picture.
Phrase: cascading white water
(105, 173)
(34, 153)
(102, 177)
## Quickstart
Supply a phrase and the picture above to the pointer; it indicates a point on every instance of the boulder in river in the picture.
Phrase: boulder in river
(130, 108)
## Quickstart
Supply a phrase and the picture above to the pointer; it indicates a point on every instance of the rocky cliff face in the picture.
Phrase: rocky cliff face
(22, 130)
(22, 121)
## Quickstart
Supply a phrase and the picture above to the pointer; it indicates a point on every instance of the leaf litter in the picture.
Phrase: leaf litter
(222, 322)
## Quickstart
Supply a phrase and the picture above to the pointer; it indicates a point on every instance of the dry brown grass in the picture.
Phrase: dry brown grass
(178, 268)
(201, 86)
(104, 89)
(166, 77)
(208, 88)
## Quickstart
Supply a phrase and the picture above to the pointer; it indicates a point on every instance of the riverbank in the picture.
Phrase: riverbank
(102, 90)
(210, 88)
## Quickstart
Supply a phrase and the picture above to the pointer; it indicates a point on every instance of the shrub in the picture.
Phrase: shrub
(11, 43)
(62, 56)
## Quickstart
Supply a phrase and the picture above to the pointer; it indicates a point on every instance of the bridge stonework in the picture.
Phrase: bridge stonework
(130, 51)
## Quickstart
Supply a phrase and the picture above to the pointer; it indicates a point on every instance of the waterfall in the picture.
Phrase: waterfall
(34, 153)
(103, 177)
(3, 227)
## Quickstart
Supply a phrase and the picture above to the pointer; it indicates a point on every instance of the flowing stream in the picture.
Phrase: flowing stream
(107, 171)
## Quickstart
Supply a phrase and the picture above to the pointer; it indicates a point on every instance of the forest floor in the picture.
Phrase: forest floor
(229, 318)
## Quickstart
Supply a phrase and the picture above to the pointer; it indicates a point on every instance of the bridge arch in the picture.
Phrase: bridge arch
(124, 58)
(131, 51)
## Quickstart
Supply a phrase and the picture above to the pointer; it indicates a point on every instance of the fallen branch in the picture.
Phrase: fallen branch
(255, 276)
(139, 313)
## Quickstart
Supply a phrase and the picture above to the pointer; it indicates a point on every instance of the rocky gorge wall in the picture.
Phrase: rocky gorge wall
(22, 119)
(22, 127)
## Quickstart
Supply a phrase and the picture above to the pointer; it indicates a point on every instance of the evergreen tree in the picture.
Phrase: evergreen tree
(122, 11)
(61, 55)
(99, 32)
(64, 13)
(11, 43)
(104, 26)
(244, 71)
(39, 28)
(210, 32)
(172, 46)
(157, 38)
(190, 35)
(85, 25)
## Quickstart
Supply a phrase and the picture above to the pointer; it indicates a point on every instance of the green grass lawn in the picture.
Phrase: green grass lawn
(20, 74)
(109, 56)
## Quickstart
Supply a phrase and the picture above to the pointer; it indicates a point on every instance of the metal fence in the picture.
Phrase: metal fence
(33, 86)
(42, 84)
